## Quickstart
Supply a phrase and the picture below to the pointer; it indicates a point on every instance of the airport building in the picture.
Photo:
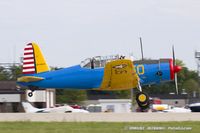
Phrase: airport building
(11, 97)
(42, 98)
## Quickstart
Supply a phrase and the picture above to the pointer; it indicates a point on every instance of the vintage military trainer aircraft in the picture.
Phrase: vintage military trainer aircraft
(99, 73)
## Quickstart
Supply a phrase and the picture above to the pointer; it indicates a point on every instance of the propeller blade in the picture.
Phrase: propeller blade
(174, 58)
(176, 83)
(175, 76)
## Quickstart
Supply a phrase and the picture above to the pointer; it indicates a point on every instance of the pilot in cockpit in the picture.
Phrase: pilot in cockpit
(92, 63)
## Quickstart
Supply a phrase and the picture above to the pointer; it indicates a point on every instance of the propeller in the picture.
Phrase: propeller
(176, 70)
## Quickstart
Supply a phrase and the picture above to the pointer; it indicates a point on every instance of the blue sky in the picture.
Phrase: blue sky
(68, 31)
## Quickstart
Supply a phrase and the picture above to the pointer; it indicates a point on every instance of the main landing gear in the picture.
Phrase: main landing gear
(142, 100)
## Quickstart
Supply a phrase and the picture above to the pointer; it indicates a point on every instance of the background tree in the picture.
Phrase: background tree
(15, 72)
(191, 86)
(10, 73)
(4, 74)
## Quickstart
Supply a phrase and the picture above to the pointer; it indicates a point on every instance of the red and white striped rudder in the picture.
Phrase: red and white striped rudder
(29, 60)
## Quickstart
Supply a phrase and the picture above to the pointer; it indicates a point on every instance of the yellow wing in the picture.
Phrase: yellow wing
(119, 75)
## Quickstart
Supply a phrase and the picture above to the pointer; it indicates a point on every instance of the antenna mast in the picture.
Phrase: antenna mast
(141, 46)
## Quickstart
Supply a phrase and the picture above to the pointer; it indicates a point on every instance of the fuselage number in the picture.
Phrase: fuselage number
(140, 69)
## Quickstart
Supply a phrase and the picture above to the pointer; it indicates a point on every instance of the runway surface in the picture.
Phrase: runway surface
(99, 117)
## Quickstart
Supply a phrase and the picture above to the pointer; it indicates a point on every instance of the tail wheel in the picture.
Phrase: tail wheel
(30, 94)
(32, 89)
(142, 100)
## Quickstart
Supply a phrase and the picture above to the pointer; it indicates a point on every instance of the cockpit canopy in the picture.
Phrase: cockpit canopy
(99, 61)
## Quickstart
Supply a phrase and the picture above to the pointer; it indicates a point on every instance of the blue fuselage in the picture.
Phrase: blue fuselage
(77, 77)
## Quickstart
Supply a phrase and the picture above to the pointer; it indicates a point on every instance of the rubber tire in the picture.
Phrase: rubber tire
(143, 105)
(30, 94)
(142, 93)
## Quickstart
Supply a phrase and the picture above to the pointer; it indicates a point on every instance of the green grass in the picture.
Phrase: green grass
(95, 127)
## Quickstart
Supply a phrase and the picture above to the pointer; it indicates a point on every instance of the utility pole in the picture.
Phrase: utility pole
(197, 56)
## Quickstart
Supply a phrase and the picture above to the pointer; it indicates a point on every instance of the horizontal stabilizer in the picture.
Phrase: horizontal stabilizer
(29, 79)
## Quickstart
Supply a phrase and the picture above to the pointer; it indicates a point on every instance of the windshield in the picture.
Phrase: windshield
(98, 61)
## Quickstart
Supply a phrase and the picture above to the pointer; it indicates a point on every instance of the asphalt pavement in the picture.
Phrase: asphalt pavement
(99, 117)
